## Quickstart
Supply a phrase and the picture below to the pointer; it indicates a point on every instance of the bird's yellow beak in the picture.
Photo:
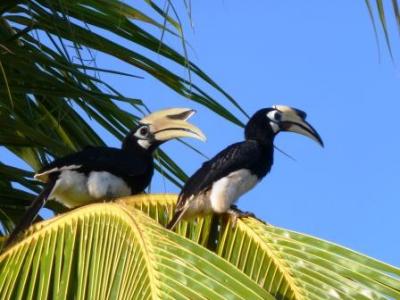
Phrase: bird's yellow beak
(294, 120)
(172, 123)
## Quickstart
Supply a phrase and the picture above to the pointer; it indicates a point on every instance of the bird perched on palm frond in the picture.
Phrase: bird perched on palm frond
(102, 173)
(218, 184)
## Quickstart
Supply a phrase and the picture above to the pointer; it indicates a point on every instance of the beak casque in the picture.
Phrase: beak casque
(172, 123)
(294, 120)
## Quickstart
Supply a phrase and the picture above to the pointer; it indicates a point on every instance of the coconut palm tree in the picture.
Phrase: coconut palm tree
(50, 89)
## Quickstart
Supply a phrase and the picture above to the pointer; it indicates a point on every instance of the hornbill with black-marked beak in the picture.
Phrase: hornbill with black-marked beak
(103, 173)
(218, 184)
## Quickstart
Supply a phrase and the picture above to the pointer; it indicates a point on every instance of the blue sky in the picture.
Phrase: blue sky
(321, 57)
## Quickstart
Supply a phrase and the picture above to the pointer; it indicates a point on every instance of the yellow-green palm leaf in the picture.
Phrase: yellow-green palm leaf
(111, 251)
(287, 264)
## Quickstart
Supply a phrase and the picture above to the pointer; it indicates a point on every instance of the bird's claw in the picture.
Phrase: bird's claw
(235, 213)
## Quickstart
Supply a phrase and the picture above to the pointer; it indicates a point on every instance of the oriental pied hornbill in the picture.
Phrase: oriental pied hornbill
(218, 184)
(101, 173)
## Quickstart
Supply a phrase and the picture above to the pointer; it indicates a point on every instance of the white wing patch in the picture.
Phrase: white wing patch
(44, 176)
(227, 190)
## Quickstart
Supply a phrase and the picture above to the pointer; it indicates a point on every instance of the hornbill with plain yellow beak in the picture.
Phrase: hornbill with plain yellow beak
(218, 184)
(102, 173)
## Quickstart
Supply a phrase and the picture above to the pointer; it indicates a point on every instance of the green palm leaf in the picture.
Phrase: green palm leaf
(287, 264)
(52, 92)
(110, 251)
(381, 10)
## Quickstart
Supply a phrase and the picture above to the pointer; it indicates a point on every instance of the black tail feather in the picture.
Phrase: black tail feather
(213, 235)
(31, 213)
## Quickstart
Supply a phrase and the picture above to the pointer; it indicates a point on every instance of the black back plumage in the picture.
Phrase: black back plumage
(134, 167)
(131, 163)
(249, 154)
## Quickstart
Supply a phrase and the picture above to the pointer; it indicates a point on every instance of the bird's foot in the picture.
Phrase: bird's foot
(235, 213)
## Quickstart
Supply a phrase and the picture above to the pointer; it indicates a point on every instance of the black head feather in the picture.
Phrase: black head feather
(259, 128)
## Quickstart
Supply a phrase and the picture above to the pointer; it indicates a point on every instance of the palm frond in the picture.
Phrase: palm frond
(384, 13)
(289, 265)
(110, 251)
(51, 89)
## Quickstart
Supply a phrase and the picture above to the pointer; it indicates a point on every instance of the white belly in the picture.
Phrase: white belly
(74, 189)
(227, 190)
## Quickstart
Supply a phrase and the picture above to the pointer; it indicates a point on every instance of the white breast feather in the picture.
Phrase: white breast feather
(75, 189)
(71, 189)
(106, 185)
(227, 190)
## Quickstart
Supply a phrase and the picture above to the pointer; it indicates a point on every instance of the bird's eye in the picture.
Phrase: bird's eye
(277, 116)
(143, 131)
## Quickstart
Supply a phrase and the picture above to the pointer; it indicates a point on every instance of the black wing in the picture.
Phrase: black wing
(116, 161)
(121, 163)
(237, 156)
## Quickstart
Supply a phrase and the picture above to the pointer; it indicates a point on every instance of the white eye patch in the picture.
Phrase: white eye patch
(144, 136)
(274, 116)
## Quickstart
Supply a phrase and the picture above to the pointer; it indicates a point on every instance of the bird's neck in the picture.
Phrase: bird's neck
(264, 136)
(267, 142)
(267, 147)
(266, 158)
